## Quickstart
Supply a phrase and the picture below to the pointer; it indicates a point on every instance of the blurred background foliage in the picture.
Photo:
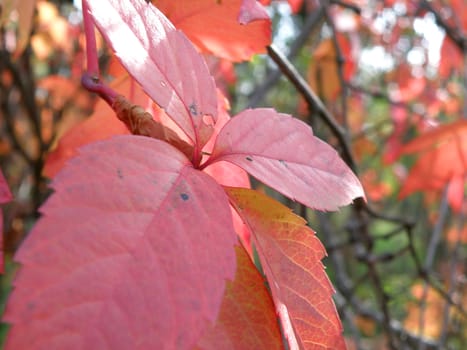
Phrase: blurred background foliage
(385, 71)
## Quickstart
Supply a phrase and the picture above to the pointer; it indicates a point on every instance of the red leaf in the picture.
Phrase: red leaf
(291, 257)
(163, 61)
(443, 160)
(127, 254)
(295, 5)
(451, 58)
(214, 26)
(5, 197)
(409, 87)
(247, 319)
(282, 152)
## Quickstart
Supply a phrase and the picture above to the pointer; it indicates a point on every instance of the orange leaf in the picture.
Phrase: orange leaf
(455, 236)
(247, 319)
(432, 314)
(63, 90)
(213, 27)
(291, 257)
(101, 125)
(443, 161)
(323, 73)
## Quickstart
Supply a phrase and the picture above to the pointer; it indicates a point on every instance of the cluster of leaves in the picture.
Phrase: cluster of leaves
(374, 66)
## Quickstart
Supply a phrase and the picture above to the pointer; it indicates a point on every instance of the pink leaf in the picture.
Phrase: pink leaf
(250, 11)
(283, 153)
(163, 61)
(127, 254)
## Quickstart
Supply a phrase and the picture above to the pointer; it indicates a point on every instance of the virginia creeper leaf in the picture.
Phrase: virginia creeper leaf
(291, 257)
(442, 161)
(5, 197)
(228, 174)
(213, 26)
(127, 254)
(247, 319)
(282, 152)
(163, 61)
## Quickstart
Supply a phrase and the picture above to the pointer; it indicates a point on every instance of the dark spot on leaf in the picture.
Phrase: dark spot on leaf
(283, 162)
(249, 159)
(184, 196)
(193, 109)
(119, 174)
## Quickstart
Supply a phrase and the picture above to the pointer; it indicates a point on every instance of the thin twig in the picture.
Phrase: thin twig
(347, 5)
(312, 21)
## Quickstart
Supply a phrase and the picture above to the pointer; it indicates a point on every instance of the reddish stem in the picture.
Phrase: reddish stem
(92, 65)
(90, 79)
(93, 84)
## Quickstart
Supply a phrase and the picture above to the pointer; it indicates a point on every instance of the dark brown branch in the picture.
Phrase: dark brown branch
(347, 5)
(312, 21)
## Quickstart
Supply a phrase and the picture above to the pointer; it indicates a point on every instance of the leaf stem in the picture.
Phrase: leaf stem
(92, 65)
(90, 79)
(93, 84)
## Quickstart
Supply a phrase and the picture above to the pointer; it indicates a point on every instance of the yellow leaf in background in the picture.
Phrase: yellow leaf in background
(323, 74)
(432, 314)
(21, 14)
